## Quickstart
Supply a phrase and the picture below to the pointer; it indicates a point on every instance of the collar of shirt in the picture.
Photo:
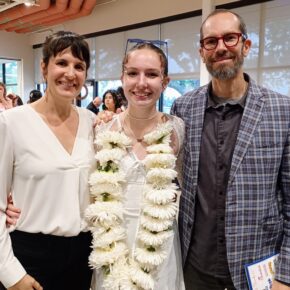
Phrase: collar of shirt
(215, 102)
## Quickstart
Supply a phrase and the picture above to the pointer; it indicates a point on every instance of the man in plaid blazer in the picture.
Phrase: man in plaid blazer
(235, 202)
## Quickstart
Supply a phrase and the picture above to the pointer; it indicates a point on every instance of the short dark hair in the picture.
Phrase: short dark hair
(121, 96)
(34, 95)
(61, 40)
(242, 26)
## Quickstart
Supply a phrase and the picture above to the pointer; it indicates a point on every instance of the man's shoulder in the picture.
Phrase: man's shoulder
(192, 95)
(269, 95)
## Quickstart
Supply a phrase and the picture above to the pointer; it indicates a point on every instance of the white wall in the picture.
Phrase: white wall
(18, 46)
(121, 13)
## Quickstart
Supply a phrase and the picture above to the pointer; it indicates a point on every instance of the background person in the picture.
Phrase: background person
(34, 95)
(122, 98)
(16, 100)
(94, 105)
(5, 103)
(235, 202)
(47, 160)
(111, 101)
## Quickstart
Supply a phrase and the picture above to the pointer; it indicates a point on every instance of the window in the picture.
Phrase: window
(175, 89)
(10, 74)
(89, 91)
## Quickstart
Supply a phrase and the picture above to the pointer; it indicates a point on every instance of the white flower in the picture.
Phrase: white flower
(113, 155)
(119, 277)
(155, 225)
(154, 239)
(160, 177)
(98, 177)
(164, 211)
(160, 135)
(145, 256)
(142, 279)
(115, 190)
(112, 139)
(159, 160)
(161, 196)
(158, 210)
(159, 148)
(104, 238)
(106, 214)
(100, 257)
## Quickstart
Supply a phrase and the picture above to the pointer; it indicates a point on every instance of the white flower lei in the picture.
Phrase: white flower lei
(123, 271)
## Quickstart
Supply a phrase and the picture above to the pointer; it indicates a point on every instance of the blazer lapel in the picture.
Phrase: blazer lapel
(251, 117)
(195, 131)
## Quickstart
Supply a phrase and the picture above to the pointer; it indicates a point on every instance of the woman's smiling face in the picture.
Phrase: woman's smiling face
(65, 75)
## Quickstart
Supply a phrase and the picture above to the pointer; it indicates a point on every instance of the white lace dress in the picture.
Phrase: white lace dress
(169, 276)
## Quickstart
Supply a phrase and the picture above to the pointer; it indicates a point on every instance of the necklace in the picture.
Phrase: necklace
(124, 268)
(127, 127)
(137, 118)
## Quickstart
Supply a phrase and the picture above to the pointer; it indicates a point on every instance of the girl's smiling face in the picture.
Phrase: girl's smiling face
(143, 78)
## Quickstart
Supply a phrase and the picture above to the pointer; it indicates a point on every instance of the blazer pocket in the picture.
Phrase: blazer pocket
(265, 144)
(272, 231)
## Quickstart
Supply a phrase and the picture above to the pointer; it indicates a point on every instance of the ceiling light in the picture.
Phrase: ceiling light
(29, 3)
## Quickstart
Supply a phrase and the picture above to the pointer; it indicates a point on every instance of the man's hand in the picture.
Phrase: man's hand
(26, 283)
(279, 286)
(97, 101)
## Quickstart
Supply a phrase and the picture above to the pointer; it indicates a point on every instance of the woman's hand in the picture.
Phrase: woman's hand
(12, 213)
(7, 103)
(26, 283)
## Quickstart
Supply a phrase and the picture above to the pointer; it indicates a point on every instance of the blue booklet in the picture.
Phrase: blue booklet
(260, 274)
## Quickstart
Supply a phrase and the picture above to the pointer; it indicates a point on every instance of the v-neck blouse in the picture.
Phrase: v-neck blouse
(48, 184)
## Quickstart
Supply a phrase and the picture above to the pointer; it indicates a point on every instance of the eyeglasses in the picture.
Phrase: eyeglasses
(229, 40)
(160, 43)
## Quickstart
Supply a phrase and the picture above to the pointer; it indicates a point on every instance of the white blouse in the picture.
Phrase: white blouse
(48, 184)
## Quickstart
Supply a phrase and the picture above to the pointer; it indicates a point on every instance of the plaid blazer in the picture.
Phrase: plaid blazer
(257, 222)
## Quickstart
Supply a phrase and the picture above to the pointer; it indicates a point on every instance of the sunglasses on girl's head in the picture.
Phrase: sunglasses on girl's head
(159, 43)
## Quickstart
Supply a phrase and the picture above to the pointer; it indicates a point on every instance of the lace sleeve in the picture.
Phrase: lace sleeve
(177, 143)
(114, 124)
(179, 129)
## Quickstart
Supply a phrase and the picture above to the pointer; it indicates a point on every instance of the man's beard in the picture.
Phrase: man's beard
(225, 72)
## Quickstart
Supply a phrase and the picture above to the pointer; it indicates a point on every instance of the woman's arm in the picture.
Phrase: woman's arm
(11, 270)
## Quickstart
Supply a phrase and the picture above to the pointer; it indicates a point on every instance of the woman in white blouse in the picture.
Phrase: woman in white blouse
(47, 156)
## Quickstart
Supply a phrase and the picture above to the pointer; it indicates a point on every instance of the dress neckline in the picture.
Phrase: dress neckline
(54, 137)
